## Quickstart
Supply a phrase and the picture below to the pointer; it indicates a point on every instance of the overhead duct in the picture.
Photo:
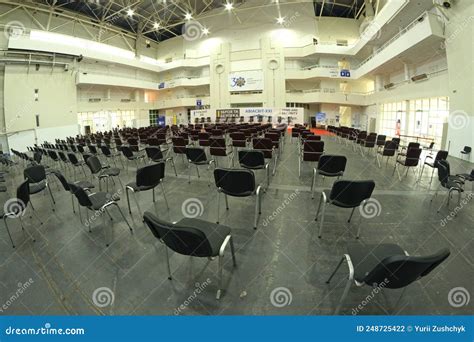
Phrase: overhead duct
(420, 77)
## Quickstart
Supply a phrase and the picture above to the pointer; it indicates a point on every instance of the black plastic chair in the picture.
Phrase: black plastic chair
(197, 157)
(16, 207)
(103, 172)
(345, 194)
(328, 166)
(109, 155)
(449, 182)
(408, 160)
(98, 203)
(237, 183)
(266, 146)
(76, 163)
(218, 148)
(86, 185)
(466, 151)
(389, 150)
(127, 152)
(193, 237)
(385, 266)
(148, 178)
(155, 154)
(36, 176)
(433, 163)
(255, 160)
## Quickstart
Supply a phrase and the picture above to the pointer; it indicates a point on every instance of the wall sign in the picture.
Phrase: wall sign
(246, 80)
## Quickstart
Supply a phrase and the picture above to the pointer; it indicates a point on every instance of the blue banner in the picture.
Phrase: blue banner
(238, 328)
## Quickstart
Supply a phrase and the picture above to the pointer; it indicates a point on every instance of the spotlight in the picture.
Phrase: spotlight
(280, 20)
(229, 6)
(130, 12)
(148, 45)
(156, 25)
(447, 4)
(66, 67)
(205, 31)
(80, 58)
(188, 16)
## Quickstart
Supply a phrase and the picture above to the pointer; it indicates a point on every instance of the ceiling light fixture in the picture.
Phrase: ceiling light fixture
(188, 16)
(280, 20)
(156, 25)
(205, 31)
(229, 6)
(130, 12)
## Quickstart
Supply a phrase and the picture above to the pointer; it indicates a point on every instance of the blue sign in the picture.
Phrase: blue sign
(161, 120)
(161, 85)
(320, 117)
(230, 328)
(198, 103)
(345, 73)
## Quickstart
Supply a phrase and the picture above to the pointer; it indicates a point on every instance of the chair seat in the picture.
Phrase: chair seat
(335, 201)
(98, 199)
(215, 233)
(366, 257)
(110, 172)
(37, 187)
(430, 164)
(466, 176)
(136, 188)
(84, 184)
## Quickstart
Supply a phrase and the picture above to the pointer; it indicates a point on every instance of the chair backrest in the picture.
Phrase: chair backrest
(441, 155)
(313, 150)
(105, 150)
(444, 171)
(150, 175)
(381, 140)
(350, 194)
(127, 151)
(73, 159)
(22, 197)
(251, 159)
(413, 145)
(94, 164)
(182, 239)
(217, 147)
(35, 173)
(467, 149)
(398, 271)
(332, 165)
(80, 194)
(313, 138)
(265, 145)
(390, 148)
(154, 153)
(62, 179)
(196, 154)
(413, 156)
(239, 183)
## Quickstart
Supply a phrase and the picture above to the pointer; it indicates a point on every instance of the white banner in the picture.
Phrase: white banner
(246, 80)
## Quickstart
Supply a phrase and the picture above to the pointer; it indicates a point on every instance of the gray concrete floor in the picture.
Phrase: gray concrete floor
(67, 264)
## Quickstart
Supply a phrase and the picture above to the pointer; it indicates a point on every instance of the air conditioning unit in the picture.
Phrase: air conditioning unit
(420, 77)
(168, 60)
(389, 85)
(342, 43)
(95, 100)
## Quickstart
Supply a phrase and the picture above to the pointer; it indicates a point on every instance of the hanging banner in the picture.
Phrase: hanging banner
(246, 80)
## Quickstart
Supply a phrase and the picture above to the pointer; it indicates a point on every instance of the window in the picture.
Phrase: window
(106, 120)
